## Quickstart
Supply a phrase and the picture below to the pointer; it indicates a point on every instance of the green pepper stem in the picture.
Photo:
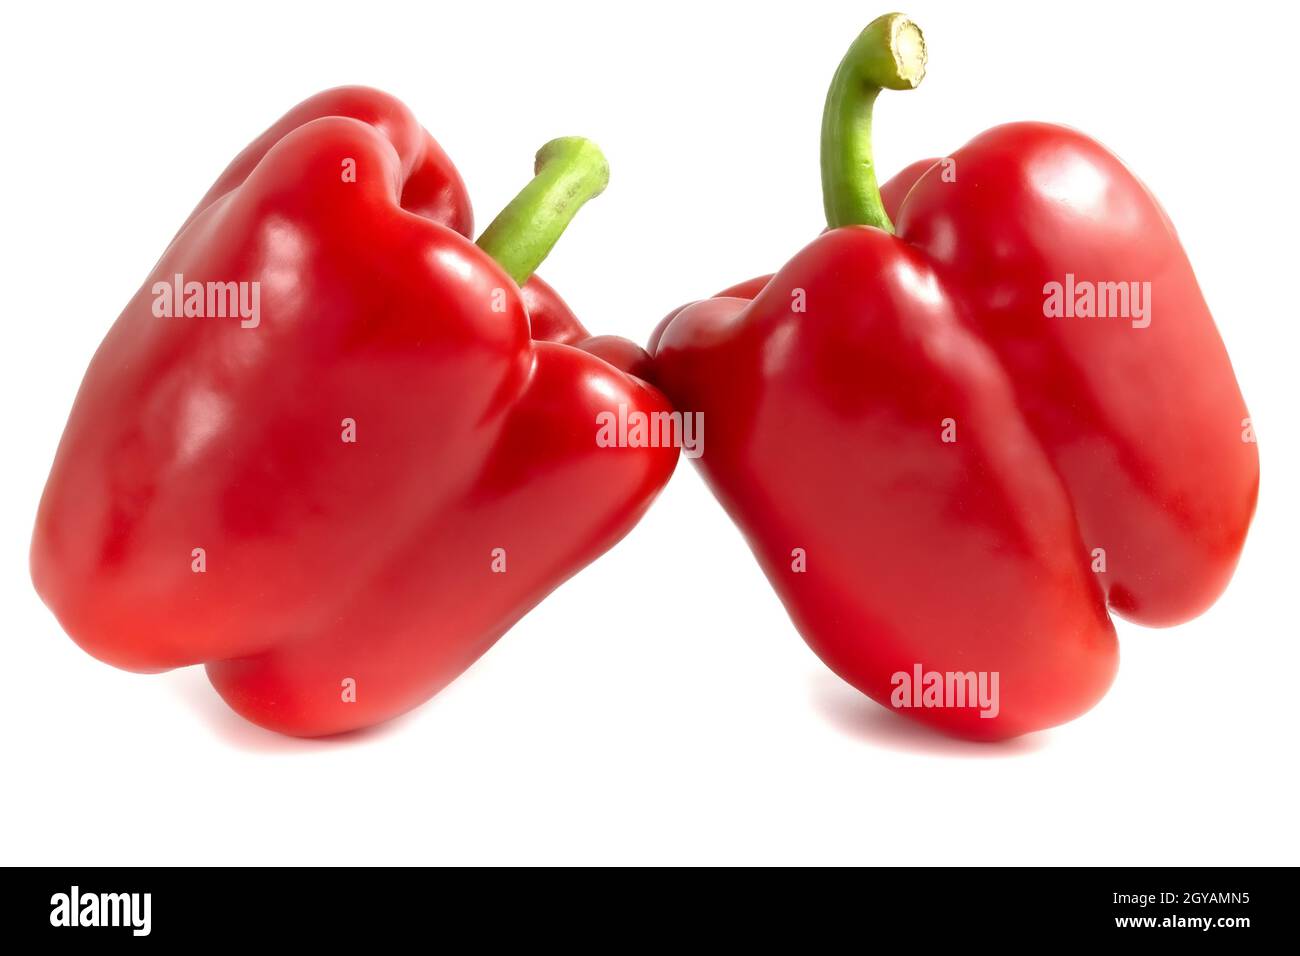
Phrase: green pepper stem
(569, 171)
(888, 54)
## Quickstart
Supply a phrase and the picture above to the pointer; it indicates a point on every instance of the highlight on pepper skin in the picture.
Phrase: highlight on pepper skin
(332, 448)
(984, 410)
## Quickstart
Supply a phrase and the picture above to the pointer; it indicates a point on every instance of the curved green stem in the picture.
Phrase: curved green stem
(888, 54)
(569, 171)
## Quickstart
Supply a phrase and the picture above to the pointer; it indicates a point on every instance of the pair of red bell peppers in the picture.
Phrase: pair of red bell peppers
(953, 445)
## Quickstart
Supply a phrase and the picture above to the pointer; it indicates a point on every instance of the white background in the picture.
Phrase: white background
(659, 708)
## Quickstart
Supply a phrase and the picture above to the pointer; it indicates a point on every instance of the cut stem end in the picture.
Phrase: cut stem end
(568, 171)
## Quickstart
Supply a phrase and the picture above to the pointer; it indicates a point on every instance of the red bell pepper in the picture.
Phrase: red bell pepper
(955, 444)
(340, 478)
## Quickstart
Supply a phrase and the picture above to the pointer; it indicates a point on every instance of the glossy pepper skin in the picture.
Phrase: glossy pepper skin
(474, 485)
(1091, 463)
